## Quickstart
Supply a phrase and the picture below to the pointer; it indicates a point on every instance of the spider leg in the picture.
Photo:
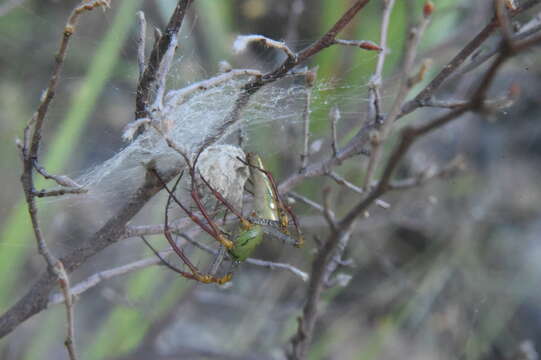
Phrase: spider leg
(165, 262)
(214, 230)
(244, 222)
(195, 273)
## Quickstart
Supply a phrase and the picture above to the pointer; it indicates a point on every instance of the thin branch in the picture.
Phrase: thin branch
(63, 279)
(328, 215)
(306, 201)
(268, 264)
(161, 47)
(30, 151)
(39, 116)
(282, 266)
(310, 79)
(58, 192)
(161, 75)
(379, 137)
(375, 81)
(454, 167)
(357, 145)
(101, 276)
(334, 116)
(501, 13)
(459, 59)
(61, 180)
(242, 42)
(341, 181)
(480, 57)
(141, 36)
(254, 86)
(336, 259)
(408, 136)
(306, 323)
(177, 97)
(136, 231)
(36, 299)
(361, 44)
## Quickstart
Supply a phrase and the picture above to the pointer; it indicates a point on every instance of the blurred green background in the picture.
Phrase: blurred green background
(449, 272)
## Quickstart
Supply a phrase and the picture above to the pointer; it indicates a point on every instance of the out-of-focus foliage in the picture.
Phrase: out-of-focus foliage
(450, 271)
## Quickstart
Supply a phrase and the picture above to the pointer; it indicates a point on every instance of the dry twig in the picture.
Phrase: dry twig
(30, 150)
(408, 136)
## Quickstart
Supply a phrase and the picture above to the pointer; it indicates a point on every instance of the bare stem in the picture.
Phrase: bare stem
(310, 80)
(161, 47)
(63, 279)
(328, 39)
(141, 36)
(30, 150)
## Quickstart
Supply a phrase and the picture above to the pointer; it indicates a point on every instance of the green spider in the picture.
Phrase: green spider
(270, 216)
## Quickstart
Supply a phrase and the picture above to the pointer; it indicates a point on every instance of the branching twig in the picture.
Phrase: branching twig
(481, 56)
(61, 180)
(375, 82)
(101, 276)
(254, 86)
(30, 150)
(163, 44)
(405, 86)
(408, 136)
(341, 181)
(455, 166)
(36, 299)
(459, 59)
